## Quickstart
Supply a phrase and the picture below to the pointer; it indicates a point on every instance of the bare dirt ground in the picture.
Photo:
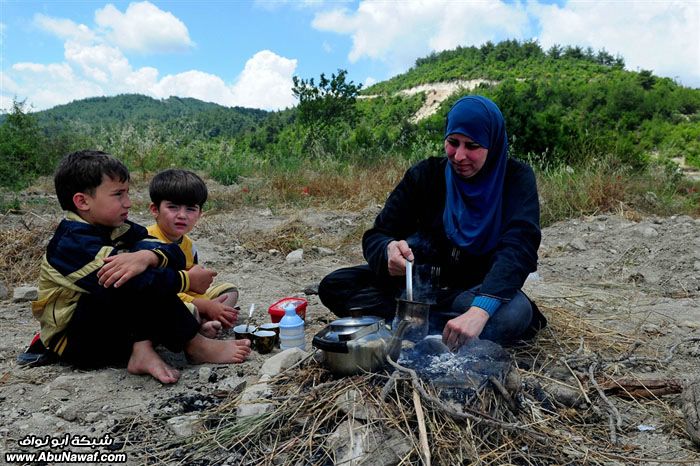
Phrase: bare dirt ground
(639, 277)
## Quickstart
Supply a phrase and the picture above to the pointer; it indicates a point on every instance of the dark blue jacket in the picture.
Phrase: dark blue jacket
(414, 211)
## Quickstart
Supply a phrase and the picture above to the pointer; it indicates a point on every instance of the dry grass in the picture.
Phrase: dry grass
(310, 420)
(347, 188)
(21, 247)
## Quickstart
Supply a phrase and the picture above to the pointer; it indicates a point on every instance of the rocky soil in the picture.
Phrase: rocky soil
(637, 276)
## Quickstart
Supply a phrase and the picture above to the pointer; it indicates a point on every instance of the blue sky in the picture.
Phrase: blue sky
(246, 52)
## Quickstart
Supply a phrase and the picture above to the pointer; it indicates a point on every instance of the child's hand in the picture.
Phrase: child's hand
(215, 309)
(121, 268)
(200, 278)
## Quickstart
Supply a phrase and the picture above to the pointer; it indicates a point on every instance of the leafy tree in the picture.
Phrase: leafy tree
(329, 102)
(20, 148)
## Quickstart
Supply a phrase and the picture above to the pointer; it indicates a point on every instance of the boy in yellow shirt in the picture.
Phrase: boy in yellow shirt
(177, 198)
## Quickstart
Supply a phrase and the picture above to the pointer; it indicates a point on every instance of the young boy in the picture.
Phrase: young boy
(108, 292)
(177, 198)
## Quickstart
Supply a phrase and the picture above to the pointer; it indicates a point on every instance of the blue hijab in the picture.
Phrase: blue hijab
(472, 217)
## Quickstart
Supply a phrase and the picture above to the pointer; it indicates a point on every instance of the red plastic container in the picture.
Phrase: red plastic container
(276, 311)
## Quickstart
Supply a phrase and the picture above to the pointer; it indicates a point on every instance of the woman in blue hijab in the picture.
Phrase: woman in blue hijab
(469, 222)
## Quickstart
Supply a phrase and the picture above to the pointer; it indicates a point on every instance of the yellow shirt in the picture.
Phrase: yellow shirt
(186, 244)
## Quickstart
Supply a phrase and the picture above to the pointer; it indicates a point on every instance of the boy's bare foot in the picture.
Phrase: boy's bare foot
(145, 360)
(210, 329)
(201, 349)
(231, 298)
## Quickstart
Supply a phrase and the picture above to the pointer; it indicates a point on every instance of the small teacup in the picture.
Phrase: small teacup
(264, 341)
(274, 327)
(241, 332)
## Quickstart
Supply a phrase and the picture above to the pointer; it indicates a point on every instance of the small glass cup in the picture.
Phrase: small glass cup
(243, 331)
(273, 327)
(264, 341)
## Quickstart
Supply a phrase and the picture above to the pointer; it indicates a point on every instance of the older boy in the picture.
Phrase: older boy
(177, 198)
(108, 294)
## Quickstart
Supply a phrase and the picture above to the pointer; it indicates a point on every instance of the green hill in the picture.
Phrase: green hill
(189, 118)
(565, 105)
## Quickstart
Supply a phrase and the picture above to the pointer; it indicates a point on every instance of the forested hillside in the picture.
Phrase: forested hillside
(566, 106)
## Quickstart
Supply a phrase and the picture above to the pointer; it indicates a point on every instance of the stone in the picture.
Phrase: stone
(282, 361)
(351, 403)
(577, 244)
(232, 384)
(362, 444)
(94, 416)
(204, 374)
(253, 399)
(323, 251)
(295, 257)
(565, 395)
(690, 406)
(648, 232)
(185, 426)
(311, 289)
(654, 329)
(273, 252)
(3, 291)
(696, 265)
(25, 293)
(69, 412)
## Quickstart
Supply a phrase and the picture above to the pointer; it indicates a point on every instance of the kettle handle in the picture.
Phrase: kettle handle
(332, 346)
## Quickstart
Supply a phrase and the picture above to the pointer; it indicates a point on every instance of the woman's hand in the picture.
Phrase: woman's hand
(468, 326)
(397, 253)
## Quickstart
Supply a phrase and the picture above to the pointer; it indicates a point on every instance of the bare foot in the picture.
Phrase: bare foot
(201, 349)
(210, 329)
(145, 360)
(231, 298)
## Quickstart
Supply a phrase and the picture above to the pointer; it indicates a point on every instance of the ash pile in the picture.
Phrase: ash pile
(459, 376)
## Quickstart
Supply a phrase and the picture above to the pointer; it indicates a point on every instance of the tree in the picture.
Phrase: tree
(20, 147)
(329, 102)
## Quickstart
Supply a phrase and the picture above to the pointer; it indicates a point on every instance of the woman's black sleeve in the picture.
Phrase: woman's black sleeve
(397, 220)
(516, 253)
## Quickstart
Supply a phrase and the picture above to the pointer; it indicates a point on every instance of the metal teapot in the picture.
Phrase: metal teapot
(356, 344)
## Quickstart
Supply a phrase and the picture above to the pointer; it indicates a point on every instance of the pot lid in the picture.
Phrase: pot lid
(350, 328)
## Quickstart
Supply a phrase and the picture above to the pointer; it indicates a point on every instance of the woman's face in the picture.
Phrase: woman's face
(466, 156)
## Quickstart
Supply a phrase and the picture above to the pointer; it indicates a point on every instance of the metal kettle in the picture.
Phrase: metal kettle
(356, 344)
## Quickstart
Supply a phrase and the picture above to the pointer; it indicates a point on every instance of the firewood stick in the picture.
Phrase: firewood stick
(422, 431)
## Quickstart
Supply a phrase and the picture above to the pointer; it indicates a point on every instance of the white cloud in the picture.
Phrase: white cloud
(197, 84)
(64, 28)
(369, 80)
(272, 5)
(398, 35)
(266, 82)
(95, 65)
(659, 36)
(50, 85)
(663, 36)
(143, 28)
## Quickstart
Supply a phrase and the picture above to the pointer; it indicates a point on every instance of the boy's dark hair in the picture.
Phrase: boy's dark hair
(181, 187)
(82, 172)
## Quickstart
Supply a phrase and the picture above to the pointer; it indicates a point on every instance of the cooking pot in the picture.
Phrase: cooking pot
(356, 344)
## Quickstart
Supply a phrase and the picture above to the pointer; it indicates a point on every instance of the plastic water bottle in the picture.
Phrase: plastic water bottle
(291, 329)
